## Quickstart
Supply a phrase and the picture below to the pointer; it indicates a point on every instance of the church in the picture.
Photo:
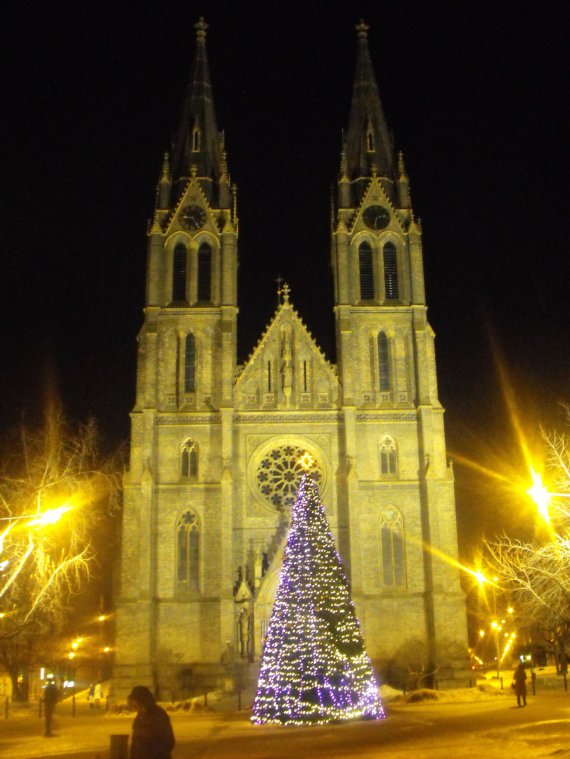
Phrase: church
(216, 445)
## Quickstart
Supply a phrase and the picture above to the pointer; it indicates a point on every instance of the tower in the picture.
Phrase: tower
(215, 445)
(181, 442)
(398, 489)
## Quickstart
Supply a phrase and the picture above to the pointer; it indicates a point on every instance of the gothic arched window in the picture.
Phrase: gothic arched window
(384, 362)
(196, 138)
(388, 457)
(390, 271)
(179, 264)
(188, 551)
(204, 273)
(190, 363)
(189, 460)
(366, 271)
(392, 543)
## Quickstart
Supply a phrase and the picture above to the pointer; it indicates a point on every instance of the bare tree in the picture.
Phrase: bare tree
(54, 488)
(536, 574)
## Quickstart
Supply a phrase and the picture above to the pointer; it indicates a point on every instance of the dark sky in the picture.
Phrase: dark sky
(475, 93)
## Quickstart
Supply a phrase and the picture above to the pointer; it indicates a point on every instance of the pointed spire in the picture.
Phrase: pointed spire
(165, 172)
(368, 141)
(198, 142)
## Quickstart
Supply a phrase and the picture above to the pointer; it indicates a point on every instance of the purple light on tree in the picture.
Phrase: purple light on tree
(315, 668)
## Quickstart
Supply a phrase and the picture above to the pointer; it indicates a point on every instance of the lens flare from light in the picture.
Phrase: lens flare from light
(539, 495)
(49, 517)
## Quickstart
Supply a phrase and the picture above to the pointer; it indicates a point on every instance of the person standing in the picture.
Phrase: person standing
(519, 684)
(50, 700)
(152, 735)
(97, 694)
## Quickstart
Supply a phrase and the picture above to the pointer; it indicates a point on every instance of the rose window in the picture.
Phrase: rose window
(279, 474)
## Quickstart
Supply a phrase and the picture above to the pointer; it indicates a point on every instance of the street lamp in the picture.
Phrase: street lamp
(541, 496)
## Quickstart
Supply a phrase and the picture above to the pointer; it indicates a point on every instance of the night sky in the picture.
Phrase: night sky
(475, 94)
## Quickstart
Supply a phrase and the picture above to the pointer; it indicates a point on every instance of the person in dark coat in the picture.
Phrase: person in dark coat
(50, 700)
(519, 684)
(152, 736)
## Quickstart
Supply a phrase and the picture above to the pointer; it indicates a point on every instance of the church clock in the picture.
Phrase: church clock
(376, 217)
(193, 217)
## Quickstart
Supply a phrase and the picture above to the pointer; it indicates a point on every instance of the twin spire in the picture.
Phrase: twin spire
(198, 149)
(367, 149)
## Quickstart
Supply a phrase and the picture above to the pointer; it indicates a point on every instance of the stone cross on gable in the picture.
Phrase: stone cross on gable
(284, 292)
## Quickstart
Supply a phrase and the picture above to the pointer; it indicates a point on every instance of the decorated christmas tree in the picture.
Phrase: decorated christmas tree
(315, 668)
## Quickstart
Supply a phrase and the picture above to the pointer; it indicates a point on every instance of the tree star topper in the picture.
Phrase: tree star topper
(307, 462)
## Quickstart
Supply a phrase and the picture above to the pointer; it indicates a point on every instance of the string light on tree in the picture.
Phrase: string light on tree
(315, 668)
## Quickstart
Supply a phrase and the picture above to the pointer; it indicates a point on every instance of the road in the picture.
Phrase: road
(481, 730)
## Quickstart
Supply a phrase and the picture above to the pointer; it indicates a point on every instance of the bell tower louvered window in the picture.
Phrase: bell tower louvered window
(390, 272)
(384, 362)
(366, 272)
(179, 264)
(188, 551)
(204, 273)
(190, 364)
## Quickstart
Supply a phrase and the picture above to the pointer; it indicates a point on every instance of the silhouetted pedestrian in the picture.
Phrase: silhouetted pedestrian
(519, 684)
(152, 736)
(50, 700)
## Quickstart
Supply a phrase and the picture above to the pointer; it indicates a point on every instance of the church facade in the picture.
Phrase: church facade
(215, 445)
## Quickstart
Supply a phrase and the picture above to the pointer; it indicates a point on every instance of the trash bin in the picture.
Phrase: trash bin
(119, 747)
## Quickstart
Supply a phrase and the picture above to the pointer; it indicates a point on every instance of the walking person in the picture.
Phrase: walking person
(50, 700)
(519, 684)
(152, 736)
(97, 694)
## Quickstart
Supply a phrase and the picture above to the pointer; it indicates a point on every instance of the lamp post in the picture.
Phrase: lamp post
(101, 620)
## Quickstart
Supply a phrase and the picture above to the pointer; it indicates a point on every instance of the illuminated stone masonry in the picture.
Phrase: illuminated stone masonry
(212, 475)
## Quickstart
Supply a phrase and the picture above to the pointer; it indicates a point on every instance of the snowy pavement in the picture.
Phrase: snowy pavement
(485, 728)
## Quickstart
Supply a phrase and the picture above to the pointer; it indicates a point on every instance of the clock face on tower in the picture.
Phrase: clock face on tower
(193, 217)
(376, 217)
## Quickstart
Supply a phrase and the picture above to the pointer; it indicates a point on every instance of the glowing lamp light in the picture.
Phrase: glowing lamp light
(480, 577)
(539, 495)
(50, 517)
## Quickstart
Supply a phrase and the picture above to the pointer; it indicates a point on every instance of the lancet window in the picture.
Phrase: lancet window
(384, 362)
(188, 551)
(390, 271)
(366, 271)
(190, 363)
(204, 273)
(189, 460)
(388, 457)
(179, 266)
(392, 547)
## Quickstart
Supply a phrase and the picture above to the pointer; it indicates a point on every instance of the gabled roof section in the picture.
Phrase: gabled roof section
(375, 193)
(286, 342)
(367, 142)
(198, 142)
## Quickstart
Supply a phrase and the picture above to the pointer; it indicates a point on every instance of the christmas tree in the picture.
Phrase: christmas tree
(315, 668)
